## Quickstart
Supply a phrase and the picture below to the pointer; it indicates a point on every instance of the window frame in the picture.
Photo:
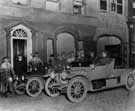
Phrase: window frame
(82, 7)
(53, 1)
(20, 4)
(120, 4)
(116, 7)
(102, 10)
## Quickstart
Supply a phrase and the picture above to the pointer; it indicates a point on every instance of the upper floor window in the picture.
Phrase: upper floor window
(78, 7)
(52, 5)
(37, 3)
(20, 2)
(103, 5)
(117, 6)
(133, 4)
(120, 6)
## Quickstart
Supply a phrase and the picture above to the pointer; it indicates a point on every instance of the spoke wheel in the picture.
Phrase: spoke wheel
(77, 89)
(130, 84)
(51, 87)
(34, 87)
(19, 88)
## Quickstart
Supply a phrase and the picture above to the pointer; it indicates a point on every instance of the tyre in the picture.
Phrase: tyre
(34, 87)
(130, 82)
(19, 88)
(50, 88)
(77, 89)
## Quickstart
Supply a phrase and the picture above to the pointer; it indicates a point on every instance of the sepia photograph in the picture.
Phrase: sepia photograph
(67, 55)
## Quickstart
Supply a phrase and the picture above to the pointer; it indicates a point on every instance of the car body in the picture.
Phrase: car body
(105, 75)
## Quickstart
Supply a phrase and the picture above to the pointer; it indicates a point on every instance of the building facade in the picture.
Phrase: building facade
(58, 26)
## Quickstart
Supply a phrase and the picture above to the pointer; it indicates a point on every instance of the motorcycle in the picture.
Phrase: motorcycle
(19, 85)
(56, 82)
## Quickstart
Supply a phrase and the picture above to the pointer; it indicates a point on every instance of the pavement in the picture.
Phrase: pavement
(110, 100)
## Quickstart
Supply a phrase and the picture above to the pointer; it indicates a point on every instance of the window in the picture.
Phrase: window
(52, 5)
(37, 3)
(20, 2)
(117, 6)
(113, 6)
(134, 4)
(78, 7)
(103, 5)
(81, 45)
(120, 6)
(19, 33)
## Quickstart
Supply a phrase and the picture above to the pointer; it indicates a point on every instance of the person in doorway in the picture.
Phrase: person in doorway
(80, 55)
(36, 63)
(91, 58)
(52, 60)
(6, 74)
(20, 65)
(104, 59)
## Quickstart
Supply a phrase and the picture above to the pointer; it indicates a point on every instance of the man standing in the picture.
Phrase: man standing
(36, 63)
(7, 75)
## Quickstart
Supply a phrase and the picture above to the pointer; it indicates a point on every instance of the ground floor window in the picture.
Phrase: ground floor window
(65, 43)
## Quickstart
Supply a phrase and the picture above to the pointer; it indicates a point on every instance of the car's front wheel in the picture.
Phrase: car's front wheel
(130, 83)
(77, 89)
(51, 87)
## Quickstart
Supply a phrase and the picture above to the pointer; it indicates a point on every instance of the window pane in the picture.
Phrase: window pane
(133, 4)
(49, 48)
(119, 1)
(23, 2)
(78, 2)
(77, 9)
(37, 3)
(103, 4)
(113, 7)
(119, 9)
(53, 6)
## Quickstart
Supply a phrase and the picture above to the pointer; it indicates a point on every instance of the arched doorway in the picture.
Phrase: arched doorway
(20, 42)
(65, 43)
(111, 44)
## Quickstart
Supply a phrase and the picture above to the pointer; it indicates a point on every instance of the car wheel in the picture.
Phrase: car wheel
(51, 88)
(130, 83)
(34, 87)
(19, 88)
(77, 89)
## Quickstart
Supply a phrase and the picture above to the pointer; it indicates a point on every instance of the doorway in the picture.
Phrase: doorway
(21, 46)
(50, 50)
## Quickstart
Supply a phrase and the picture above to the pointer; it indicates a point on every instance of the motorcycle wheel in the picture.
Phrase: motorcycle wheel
(50, 88)
(18, 88)
(34, 87)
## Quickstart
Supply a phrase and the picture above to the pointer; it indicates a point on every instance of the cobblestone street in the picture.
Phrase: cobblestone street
(110, 100)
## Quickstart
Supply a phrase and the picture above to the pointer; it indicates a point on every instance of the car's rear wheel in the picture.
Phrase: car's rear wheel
(77, 89)
(130, 83)
(34, 87)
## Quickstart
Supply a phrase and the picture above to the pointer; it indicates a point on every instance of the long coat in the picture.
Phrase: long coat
(6, 75)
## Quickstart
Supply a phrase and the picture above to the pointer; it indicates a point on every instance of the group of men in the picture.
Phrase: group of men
(56, 63)
(7, 72)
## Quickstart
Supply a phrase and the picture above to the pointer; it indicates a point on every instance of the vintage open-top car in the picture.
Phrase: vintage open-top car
(77, 81)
